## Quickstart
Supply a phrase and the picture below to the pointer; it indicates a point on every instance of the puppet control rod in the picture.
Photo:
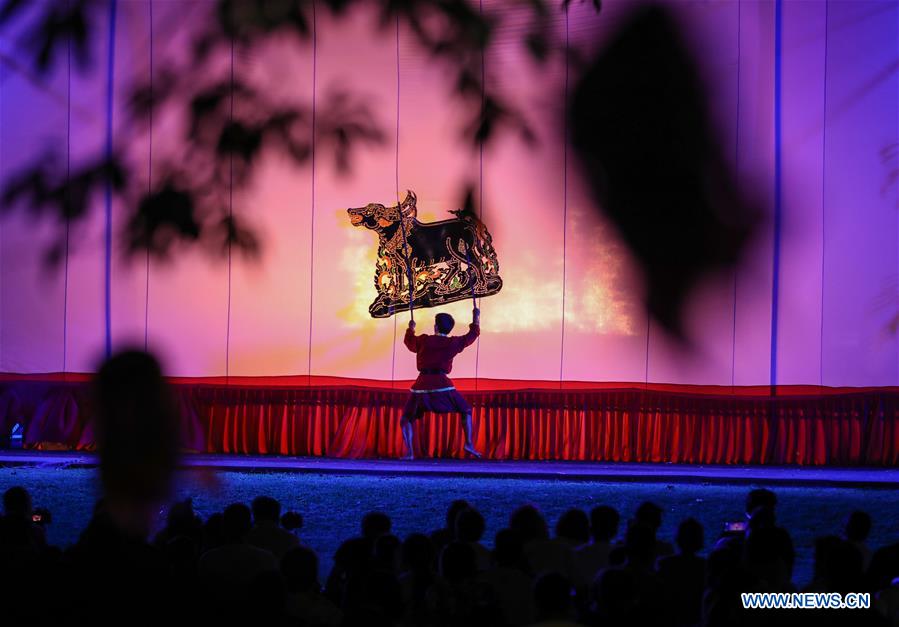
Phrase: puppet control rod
(408, 264)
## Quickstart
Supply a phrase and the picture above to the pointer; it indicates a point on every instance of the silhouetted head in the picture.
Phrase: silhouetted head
(604, 523)
(299, 567)
(574, 526)
(858, 526)
(137, 429)
(762, 517)
(690, 536)
(760, 497)
(649, 514)
(236, 522)
(552, 597)
(469, 525)
(292, 521)
(354, 555)
(443, 323)
(375, 524)
(453, 511)
(267, 509)
(529, 523)
(17, 503)
(182, 520)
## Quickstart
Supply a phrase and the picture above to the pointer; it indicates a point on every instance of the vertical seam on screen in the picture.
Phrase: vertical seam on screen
(733, 334)
(564, 206)
(107, 279)
(477, 348)
(646, 357)
(775, 278)
(312, 198)
(396, 181)
(149, 190)
(823, 199)
(230, 224)
(2, 207)
(65, 289)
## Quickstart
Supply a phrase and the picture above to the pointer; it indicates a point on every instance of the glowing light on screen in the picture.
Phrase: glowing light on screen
(599, 297)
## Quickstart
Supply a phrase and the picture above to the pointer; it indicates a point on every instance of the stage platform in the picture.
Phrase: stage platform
(887, 478)
(513, 420)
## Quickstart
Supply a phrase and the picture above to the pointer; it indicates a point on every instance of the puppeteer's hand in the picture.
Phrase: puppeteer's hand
(476, 315)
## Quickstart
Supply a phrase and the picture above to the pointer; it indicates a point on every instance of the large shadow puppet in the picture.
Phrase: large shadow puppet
(444, 261)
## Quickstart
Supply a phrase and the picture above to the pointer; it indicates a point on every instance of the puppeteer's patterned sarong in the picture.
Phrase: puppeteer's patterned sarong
(437, 401)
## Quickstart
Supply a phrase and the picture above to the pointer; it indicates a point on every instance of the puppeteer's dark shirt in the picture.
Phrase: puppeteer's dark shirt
(434, 356)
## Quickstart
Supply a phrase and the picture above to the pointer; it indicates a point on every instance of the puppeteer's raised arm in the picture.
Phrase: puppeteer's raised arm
(410, 339)
(474, 330)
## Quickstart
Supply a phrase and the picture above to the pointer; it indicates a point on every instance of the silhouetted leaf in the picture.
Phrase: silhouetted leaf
(538, 45)
(641, 129)
(162, 218)
(10, 8)
(233, 234)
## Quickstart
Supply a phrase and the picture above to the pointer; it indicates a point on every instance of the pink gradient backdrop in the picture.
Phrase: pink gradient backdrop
(571, 305)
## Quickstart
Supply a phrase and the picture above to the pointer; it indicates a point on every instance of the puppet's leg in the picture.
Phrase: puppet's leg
(469, 445)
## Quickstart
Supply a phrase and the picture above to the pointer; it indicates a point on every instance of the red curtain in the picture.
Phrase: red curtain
(654, 424)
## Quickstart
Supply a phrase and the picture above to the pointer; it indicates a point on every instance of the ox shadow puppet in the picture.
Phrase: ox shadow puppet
(427, 264)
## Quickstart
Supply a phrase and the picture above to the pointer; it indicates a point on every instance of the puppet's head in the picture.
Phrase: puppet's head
(384, 220)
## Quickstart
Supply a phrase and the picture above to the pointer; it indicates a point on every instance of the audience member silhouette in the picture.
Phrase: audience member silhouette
(508, 580)
(453, 597)
(231, 566)
(543, 554)
(614, 599)
(684, 575)
(18, 529)
(649, 515)
(592, 557)
(447, 534)
(305, 602)
(470, 529)
(209, 572)
(267, 532)
(113, 571)
(858, 527)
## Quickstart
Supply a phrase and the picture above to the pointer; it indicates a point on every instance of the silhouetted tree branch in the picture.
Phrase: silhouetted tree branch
(230, 123)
